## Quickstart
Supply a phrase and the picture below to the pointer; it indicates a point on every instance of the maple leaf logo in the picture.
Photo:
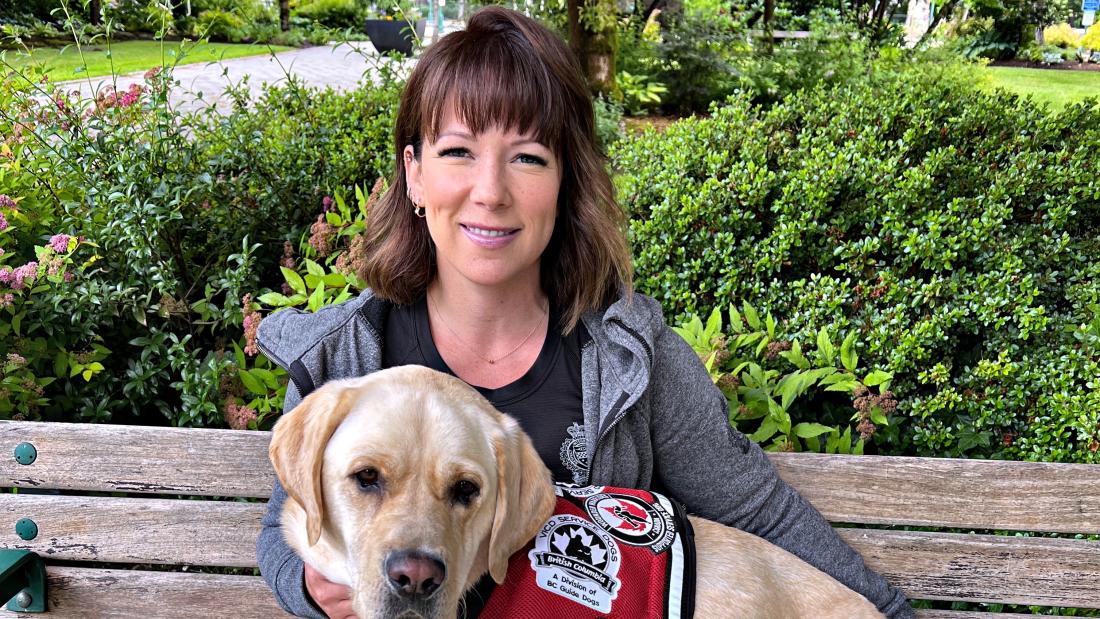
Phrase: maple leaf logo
(560, 541)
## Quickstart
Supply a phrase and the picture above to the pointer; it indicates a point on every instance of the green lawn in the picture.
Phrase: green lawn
(1055, 87)
(128, 56)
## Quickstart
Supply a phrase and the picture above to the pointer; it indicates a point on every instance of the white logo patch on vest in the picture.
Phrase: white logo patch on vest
(577, 561)
(633, 520)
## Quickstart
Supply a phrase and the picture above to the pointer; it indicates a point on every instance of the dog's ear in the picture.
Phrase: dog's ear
(525, 496)
(298, 447)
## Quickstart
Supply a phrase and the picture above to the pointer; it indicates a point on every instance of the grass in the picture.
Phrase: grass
(128, 57)
(1058, 88)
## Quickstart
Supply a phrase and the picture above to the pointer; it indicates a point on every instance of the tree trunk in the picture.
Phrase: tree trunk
(945, 12)
(284, 15)
(769, 17)
(595, 50)
(94, 10)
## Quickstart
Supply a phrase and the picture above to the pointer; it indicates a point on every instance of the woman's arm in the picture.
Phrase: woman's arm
(285, 572)
(280, 566)
(720, 474)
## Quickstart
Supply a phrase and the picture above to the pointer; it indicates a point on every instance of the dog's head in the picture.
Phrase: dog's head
(407, 485)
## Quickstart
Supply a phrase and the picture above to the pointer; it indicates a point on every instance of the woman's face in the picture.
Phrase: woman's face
(490, 201)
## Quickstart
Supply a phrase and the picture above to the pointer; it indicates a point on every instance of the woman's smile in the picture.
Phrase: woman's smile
(489, 237)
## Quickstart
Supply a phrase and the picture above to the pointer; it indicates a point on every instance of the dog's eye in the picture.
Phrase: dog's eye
(465, 491)
(367, 478)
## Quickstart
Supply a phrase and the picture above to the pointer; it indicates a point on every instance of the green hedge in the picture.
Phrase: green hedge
(175, 218)
(957, 232)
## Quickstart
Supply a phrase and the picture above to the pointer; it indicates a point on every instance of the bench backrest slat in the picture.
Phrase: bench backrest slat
(138, 459)
(984, 568)
(136, 530)
(949, 493)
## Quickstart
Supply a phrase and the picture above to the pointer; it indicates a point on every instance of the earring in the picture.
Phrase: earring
(418, 210)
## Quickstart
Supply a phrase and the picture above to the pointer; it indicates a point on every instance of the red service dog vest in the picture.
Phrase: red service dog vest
(605, 552)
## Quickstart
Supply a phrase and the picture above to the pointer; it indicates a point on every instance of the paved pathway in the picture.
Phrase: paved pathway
(340, 66)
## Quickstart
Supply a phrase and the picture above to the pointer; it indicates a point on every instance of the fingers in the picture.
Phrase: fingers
(333, 599)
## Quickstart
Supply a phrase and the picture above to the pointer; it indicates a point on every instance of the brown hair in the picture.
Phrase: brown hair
(506, 70)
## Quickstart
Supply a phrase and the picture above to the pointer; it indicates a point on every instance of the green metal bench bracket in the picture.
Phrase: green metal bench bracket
(23, 581)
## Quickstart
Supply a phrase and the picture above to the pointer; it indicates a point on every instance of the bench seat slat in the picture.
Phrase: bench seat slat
(983, 568)
(135, 530)
(1016, 496)
(136, 594)
(138, 459)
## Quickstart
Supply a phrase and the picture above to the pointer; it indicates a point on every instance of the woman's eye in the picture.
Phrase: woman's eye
(454, 152)
(367, 479)
(464, 492)
(531, 159)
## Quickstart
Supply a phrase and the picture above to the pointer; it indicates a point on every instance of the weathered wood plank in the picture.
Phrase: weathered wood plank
(135, 530)
(111, 458)
(942, 492)
(136, 594)
(963, 614)
(984, 568)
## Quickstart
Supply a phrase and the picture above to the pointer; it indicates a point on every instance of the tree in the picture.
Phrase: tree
(594, 39)
(284, 15)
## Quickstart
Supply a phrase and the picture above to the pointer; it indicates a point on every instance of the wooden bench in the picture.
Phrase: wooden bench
(140, 510)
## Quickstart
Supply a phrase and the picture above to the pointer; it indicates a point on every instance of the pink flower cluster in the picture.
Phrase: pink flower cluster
(251, 326)
(238, 416)
(3, 222)
(60, 243)
(6, 201)
(288, 262)
(110, 98)
(6, 300)
(19, 277)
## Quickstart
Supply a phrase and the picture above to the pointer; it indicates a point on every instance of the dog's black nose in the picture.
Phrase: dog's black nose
(413, 574)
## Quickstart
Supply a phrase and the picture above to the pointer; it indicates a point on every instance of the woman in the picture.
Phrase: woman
(498, 255)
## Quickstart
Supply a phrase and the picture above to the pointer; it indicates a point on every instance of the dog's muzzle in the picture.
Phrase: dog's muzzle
(414, 575)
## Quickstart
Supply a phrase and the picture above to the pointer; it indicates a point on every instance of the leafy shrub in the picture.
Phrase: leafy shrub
(182, 217)
(1061, 35)
(697, 60)
(137, 15)
(639, 92)
(765, 393)
(954, 231)
(834, 53)
(333, 13)
(1091, 40)
(219, 25)
(250, 11)
(1046, 54)
(609, 122)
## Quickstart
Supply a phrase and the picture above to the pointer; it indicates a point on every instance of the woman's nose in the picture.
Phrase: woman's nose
(489, 185)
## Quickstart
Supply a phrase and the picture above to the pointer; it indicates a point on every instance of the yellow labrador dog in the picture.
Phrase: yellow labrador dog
(408, 486)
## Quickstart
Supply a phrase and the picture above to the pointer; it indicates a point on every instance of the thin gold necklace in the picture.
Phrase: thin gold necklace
(458, 337)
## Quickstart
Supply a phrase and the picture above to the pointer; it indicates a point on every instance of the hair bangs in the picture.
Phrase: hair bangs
(499, 83)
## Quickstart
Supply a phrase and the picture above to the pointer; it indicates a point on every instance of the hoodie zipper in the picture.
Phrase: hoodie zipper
(616, 415)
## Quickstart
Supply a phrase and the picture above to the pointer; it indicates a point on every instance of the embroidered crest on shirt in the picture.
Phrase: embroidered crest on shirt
(574, 453)
(577, 561)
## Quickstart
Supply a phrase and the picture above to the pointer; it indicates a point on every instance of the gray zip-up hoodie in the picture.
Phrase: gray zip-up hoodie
(653, 418)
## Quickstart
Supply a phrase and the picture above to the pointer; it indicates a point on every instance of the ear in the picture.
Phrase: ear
(298, 447)
(525, 496)
(412, 173)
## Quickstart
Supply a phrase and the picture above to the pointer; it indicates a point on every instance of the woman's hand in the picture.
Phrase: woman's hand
(333, 599)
